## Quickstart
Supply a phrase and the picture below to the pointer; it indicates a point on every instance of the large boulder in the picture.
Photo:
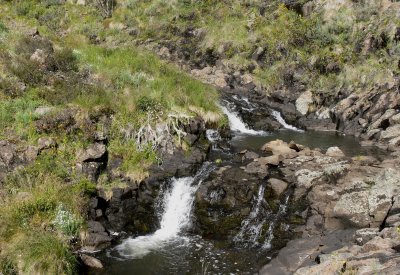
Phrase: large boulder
(279, 147)
(367, 205)
(94, 153)
(303, 102)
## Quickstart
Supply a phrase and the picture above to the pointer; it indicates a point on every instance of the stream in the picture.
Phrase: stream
(175, 249)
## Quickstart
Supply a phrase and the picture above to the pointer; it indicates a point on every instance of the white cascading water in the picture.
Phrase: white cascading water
(270, 232)
(278, 116)
(177, 203)
(251, 228)
(250, 106)
(237, 125)
(213, 135)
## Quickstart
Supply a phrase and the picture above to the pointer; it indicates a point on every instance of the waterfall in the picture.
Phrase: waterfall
(250, 106)
(278, 116)
(270, 232)
(213, 135)
(237, 125)
(177, 206)
(251, 228)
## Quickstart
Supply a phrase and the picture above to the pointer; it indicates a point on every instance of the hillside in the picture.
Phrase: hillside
(102, 100)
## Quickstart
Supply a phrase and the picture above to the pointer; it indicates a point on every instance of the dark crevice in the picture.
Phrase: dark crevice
(382, 226)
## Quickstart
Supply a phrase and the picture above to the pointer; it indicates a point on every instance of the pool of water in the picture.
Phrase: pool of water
(188, 254)
(323, 140)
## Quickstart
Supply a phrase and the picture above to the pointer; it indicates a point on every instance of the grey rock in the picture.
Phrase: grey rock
(303, 102)
(364, 235)
(279, 147)
(279, 186)
(353, 208)
(391, 132)
(395, 119)
(94, 152)
(46, 143)
(334, 152)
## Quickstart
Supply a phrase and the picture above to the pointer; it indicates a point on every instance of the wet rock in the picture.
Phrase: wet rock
(250, 155)
(91, 262)
(257, 168)
(303, 102)
(279, 186)
(96, 237)
(334, 152)
(223, 201)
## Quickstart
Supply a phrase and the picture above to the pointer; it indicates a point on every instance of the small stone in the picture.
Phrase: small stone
(220, 82)
(334, 152)
(31, 153)
(43, 110)
(247, 79)
(38, 56)
(99, 213)
(164, 52)
(46, 143)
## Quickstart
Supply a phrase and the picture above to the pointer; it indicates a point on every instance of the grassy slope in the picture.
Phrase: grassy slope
(301, 46)
(40, 214)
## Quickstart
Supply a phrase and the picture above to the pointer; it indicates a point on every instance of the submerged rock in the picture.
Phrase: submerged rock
(91, 262)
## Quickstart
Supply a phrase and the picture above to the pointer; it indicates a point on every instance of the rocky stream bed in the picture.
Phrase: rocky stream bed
(276, 200)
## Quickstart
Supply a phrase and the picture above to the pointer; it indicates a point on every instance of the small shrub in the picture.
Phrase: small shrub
(7, 266)
(86, 187)
(147, 104)
(68, 223)
(65, 60)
